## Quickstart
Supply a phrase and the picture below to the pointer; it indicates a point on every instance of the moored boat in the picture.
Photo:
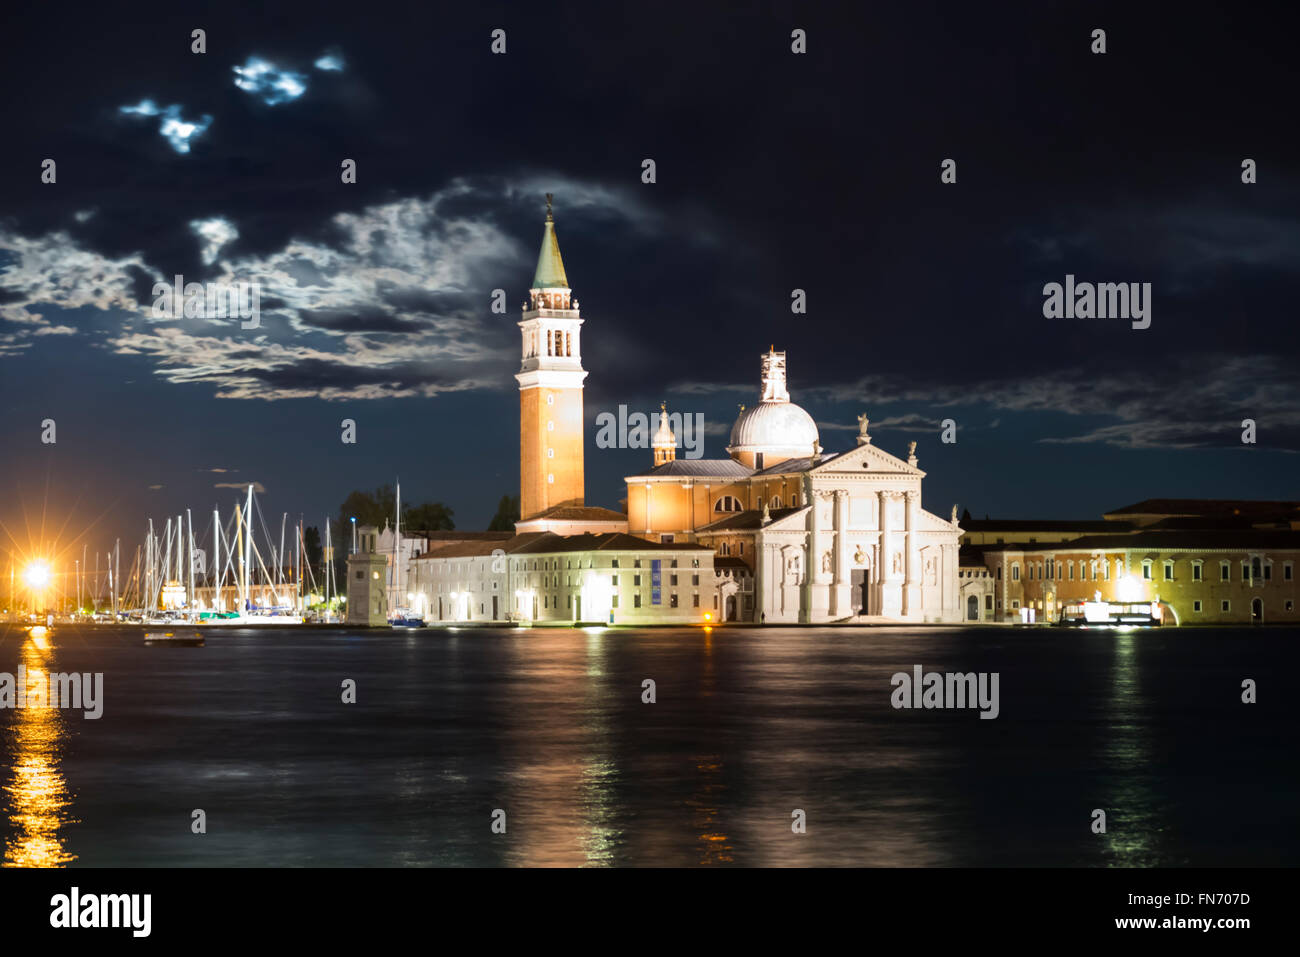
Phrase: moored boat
(181, 638)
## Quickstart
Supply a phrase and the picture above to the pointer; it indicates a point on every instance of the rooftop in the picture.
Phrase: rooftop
(747, 520)
(710, 468)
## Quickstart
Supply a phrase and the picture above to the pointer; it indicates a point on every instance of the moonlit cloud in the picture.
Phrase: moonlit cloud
(329, 62)
(174, 128)
(387, 301)
(215, 233)
(268, 83)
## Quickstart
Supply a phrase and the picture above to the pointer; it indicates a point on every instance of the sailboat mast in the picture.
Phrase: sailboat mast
(189, 524)
(239, 548)
(397, 554)
(248, 544)
(216, 560)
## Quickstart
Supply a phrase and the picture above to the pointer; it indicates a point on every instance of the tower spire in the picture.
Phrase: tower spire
(664, 443)
(550, 265)
(550, 386)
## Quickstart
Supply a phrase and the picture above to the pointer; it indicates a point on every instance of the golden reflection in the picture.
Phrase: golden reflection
(37, 795)
(717, 847)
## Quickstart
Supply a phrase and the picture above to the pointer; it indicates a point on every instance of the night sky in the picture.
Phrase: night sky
(775, 171)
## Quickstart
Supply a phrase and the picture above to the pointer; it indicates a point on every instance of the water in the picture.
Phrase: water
(749, 725)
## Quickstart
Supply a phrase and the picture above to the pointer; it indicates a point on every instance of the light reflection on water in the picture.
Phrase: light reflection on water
(550, 726)
(36, 793)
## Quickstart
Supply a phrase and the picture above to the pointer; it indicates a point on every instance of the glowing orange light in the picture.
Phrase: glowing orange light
(37, 575)
(708, 616)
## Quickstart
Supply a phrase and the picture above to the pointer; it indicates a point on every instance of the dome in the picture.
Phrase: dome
(777, 427)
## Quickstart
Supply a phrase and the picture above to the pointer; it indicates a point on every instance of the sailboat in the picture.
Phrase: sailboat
(401, 617)
(169, 597)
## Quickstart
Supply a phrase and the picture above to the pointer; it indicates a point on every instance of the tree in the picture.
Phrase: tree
(312, 546)
(506, 516)
(429, 517)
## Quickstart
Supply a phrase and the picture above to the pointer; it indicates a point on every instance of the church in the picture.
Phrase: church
(778, 532)
(800, 534)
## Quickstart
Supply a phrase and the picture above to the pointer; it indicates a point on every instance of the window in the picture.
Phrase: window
(1071, 571)
(1196, 572)
(1225, 572)
(695, 579)
(666, 539)
(1196, 606)
(727, 503)
(1288, 571)
(614, 602)
(636, 600)
(999, 578)
(1225, 605)
(1268, 571)
(776, 501)
(758, 460)
(672, 600)
(360, 574)
(988, 602)
(1169, 571)
(695, 600)
(1015, 603)
(1256, 569)
(1290, 606)
(636, 581)
(672, 579)
(1015, 573)
(614, 582)
(1146, 569)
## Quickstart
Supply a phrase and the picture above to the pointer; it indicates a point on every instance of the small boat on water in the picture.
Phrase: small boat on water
(1114, 614)
(188, 638)
(406, 619)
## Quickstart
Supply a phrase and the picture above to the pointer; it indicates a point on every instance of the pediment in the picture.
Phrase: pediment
(875, 458)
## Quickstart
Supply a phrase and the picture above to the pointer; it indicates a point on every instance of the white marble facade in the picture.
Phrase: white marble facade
(861, 547)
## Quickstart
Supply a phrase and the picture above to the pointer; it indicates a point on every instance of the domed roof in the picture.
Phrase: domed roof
(774, 427)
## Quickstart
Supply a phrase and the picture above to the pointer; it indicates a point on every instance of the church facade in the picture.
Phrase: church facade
(825, 537)
(778, 532)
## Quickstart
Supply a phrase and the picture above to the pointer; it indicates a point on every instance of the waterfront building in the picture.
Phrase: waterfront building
(825, 536)
(1205, 561)
(542, 577)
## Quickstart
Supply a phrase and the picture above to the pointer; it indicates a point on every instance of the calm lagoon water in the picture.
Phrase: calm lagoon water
(549, 726)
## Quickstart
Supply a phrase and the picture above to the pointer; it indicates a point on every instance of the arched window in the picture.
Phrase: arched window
(776, 501)
(727, 503)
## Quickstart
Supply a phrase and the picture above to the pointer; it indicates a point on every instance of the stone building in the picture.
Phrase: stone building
(828, 536)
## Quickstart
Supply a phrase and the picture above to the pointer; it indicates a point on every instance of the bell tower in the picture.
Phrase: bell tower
(550, 386)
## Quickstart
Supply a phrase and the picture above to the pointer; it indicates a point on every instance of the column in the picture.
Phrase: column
(841, 605)
(911, 558)
(888, 597)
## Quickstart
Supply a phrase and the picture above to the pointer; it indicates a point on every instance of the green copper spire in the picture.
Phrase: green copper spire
(550, 267)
